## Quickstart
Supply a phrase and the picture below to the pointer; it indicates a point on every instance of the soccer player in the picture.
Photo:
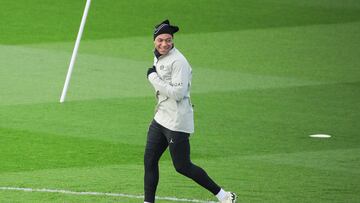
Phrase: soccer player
(173, 122)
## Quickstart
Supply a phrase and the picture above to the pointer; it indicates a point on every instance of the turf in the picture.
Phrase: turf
(266, 74)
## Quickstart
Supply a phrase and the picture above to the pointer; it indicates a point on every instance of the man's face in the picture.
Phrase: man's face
(163, 43)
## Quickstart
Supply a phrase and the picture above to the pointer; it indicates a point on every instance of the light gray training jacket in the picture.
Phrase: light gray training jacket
(172, 84)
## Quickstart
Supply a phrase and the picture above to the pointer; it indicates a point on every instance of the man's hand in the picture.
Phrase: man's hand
(151, 70)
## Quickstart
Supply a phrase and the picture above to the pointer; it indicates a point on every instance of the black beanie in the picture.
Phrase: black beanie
(165, 27)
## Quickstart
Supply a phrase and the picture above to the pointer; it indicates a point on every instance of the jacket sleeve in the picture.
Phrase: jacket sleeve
(177, 88)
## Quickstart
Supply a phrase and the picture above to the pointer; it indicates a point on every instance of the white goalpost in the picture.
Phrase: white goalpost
(74, 54)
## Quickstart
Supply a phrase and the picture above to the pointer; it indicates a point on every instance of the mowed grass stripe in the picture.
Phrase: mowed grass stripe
(116, 178)
(99, 77)
(318, 52)
(138, 17)
(42, 73)
(337, 160)
(280, 116)
(24, 151)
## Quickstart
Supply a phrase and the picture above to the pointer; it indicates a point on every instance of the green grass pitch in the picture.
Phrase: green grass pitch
(266, 74)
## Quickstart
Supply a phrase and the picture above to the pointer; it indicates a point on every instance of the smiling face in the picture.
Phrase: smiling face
(163, 43)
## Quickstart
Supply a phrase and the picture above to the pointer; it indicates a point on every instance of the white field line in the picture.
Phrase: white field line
(68, 192)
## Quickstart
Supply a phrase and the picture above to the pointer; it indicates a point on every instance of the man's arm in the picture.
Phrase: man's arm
(177, 89)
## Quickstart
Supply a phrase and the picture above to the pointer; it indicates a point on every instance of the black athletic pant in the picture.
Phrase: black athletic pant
(158, 139)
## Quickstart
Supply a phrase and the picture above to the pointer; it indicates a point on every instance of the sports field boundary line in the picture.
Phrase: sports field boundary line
(69, 192)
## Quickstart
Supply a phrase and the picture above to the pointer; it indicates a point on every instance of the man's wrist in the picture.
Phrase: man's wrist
(151, 70)
(152, 75)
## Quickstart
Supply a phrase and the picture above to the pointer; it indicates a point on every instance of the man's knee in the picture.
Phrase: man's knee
(183, 167)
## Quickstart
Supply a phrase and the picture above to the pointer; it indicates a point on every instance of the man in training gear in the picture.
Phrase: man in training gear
(170, 76)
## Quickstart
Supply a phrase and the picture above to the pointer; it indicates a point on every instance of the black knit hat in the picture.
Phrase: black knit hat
(165, 27)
